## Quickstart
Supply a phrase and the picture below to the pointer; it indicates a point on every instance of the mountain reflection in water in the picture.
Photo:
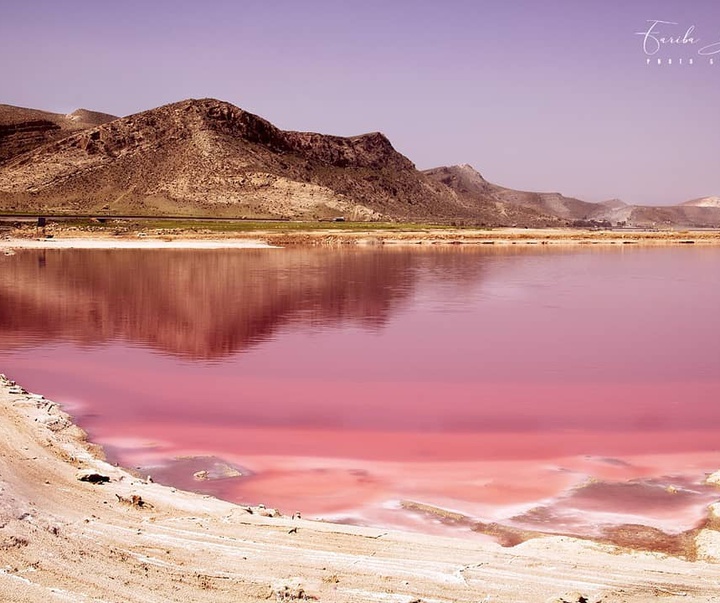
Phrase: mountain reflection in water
(205, 305)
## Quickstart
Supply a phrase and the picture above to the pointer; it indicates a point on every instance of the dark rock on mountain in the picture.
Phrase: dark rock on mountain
(22, 130)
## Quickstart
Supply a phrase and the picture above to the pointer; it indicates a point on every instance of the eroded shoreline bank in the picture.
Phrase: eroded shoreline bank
(130, 540)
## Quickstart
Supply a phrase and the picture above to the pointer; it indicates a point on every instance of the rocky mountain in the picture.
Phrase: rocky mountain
(209, 158)
(22, 130)
(473, 188)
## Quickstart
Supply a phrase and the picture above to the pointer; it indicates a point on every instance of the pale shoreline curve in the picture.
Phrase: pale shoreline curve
(127, 539)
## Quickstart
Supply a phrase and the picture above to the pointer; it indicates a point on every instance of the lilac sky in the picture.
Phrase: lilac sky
(539, 95)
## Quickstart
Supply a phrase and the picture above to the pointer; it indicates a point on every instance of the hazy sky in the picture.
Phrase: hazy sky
(551, 95)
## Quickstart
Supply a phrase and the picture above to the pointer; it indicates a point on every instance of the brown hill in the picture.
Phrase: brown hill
(22, 130)
(470, 184)
(474, 189)
(207, 157)
(675, 215)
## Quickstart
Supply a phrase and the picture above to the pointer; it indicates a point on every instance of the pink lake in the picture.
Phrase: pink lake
(557, 390)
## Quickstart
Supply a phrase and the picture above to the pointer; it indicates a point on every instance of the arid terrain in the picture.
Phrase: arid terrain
(470, 185)
(23, 129)
(209, 158)
(206, 157)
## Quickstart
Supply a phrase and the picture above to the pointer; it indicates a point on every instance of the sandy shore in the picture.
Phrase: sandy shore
(64, 237)
(62, 539)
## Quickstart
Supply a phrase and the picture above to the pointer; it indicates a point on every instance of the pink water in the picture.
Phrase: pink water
(554, 390)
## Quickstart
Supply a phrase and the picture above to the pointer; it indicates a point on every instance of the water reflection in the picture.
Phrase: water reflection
(207, 304)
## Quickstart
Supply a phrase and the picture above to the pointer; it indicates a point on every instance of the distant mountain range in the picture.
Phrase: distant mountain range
(468, 183)
(209, 158)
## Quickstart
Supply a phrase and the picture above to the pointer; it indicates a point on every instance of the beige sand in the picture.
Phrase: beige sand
(62, 539)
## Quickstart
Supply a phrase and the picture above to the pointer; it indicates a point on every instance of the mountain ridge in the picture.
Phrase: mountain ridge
(206, 157)
(468, 182)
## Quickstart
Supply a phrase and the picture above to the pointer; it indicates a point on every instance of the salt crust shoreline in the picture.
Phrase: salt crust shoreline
(67, 238)
(62, 539)
(140, 243)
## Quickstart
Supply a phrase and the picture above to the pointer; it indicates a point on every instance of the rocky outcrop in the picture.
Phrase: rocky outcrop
(22, 130)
